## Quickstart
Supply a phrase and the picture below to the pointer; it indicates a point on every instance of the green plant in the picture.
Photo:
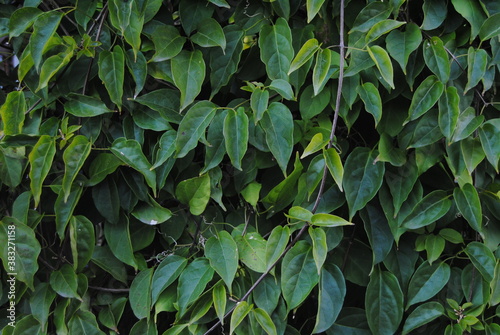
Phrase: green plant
(278, 167)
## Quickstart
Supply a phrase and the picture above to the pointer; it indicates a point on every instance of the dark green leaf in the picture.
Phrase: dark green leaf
(166, 273)
(477, 60)
(427, 281)
(209, 34)
(489, 133)
(482, 258)
(236, 135)
(276, 244)
(252, 251)
(40, 303)
(428, 210)
(82, 237)
(22, 19)
(489, 29)
(192, 282)
(436, 58)
(381, 28)
(276, 51)
(332, 291)
(103, 165)
(85, 106)
(140, 293)
(449, 111)
(168, 43)
(222, 252)
(118, 238)
(74, 156)
(194, 192)
(400, 45)
(434, 14)
(426, 96)
(371, 98)
(188, 73)
(64, 282)
(112, 73)
(423, 315)
(471, 10)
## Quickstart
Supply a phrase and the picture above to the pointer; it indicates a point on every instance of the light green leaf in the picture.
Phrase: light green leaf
(130, 152)
(298, 274)
(283, 88)
(26, 250)
(277, 123)
(240, 312)
(188, 73)
(168, 43)
(264, 321)
(140, 293)
(482, 258)
(381, 59)
(426, 96)
(317, 143)
(477, 61)
(313, 7)
(12, 113)
(40, 159)
(85, 106)
(54, 63)
(44, 28)
(276, 244)
(428, 210)
(451, 235)
(192, 282)
(220, 300)
(489, 133)
(329, 220)
(305, 53)
(194, 192)
(427, 281)
(363, 176)
(112, 73)
(384, 302)
(64, 282)
(252, 251)
(332, 290)
(400, 45)
(449, 110)
(236, 135)
(251, 193)
(299, 213)
(489, 29)
(222, 252)
(321, 69)
(276, 51)
(371, 98)
(193, 126)
(471, 10)
(319, 246)
(436, 58)
(118, 238)
(381, 28)
(74, 156)
(209, 34)
(334, 164)
(423, 315)
(22, 19)
(495, 287)
(82, 240)
(165, 274)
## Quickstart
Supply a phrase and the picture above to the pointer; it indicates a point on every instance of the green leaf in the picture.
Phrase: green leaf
(164, 101)
(165, 274)
(192, 12)
(83, 322)
(381, 59)
(471, 10)
(451, 235)
(317, 143)
(118, 238)
(104, 258)
(436, 58)
(363, 176)
(82, 240)
(276, 51)
(329, 220)
(371, 98)
(11, 167)
(54, 63)
(489, 29)
(130, 152)
(40, 303)
(267, 294)
(449, 110)
(220, 300)
(495, 287)
(283, 88)
(378, 232)
(311, 105)
(434, 245)
(74, 156)
(188, 73)
(138, 68)
(166, 148)
(140, 293)
(426, 96)
(332, 291)
(194, 192)
(298, 274)
(26, 249)
(103, 165)
(299, 213)
(482, 258)
(319, 246)
(240, 312)
(400, 45)
(252, 251)
(313, 7)
(168, 43)
(85, 106)
(434, 14)
(477, 61)
(44, 29)
(192, 282)
(236, 135)
(370, 15)
(473, 153)
(40, 159)
(276, 244)
(251, 193)
(112, 73)
(384, 302)
(305, 53)
(209, 34)
(334, 164)
(64, 209)
(224, 64)
(423, 315)
(277, 123)
(12, 113)
(259, 101)
(401, 182)
(222, 252)
(489, 133)
(64, 282)
(107, 200)
(467, 123)
(381, 28)
(215, 136)
(321, 69)
(428, 210)
(389, 153)
(427, 281)
(22, 19)
(193, 126)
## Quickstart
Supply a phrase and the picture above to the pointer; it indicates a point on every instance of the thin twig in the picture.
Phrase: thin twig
(113, 290)
(323, 181)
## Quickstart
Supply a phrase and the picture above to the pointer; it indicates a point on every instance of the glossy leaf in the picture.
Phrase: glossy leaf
(381, 59)
(426, 96)
(44, 29)
(328, 220)
(41, 158)
(436, 58)
(240, 312)
(473, 153)
(12, 113)
(489, 29)
(283, 88)
(137, 67)
(222, 252)
(236, 135)
(427, 281)
(276, 50)
(472, 12)
(165, 274)
(188, 73)
(381, 28)
(264, 321)
(334, 164)
(371, 98)
(118, 238)
(192, 282)
(64, 209)
(428, 210)
(423, 315)
(317, 143)
(140, 293)
(40, 303)
(319, 246)
(490, 135)
(434, 14)
(85, 106)
(332, 291)
(22, 19)
(112, 73)
(194, 192)
(482, 258)
(74, 157)
(378, 231)
(321, 69)
(276, 244)
(305, 53)
(400, 45)
(363, 177)
(83, 322)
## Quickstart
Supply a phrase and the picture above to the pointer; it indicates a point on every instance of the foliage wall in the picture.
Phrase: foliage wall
(277, 167)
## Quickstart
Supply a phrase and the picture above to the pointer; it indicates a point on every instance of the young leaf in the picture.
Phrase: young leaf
(334, 164)
(12, 113)
(188, 73)
(276, 51)
(222, 252)
(74, 156)
(381, 59)
(194, 192)
(112, 73)
(236, 135)
(381, 28)
(317, 143)
(319, 246)
(305, 53)
(371, 98)
(41, 158)
(313, 7)
(321, 69)
(328, 220)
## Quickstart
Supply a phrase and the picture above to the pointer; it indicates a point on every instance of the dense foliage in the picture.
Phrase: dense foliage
(248, 167)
